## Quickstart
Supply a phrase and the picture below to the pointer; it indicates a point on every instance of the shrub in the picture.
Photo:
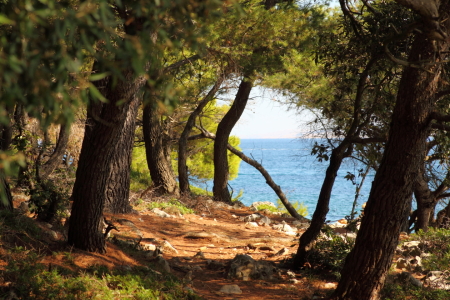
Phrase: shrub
(299, 207)
(172, 203)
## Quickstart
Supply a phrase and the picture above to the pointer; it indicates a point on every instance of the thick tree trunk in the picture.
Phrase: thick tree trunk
(105, 124)
(118, 187)
(57, 155)
(183, 176)
(367, 264)
(308, 238)
(221, 172)
(157, 152)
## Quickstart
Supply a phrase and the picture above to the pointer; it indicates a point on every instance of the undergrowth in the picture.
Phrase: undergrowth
(171, 206)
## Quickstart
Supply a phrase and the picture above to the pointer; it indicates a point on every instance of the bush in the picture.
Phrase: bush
(172, 203)
(436, 242)
(329, 254)
(299, 207)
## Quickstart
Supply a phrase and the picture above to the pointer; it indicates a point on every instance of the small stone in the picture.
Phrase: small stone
(230, 289)
(293, 280)
(162, 263)
(166, 246)
(251, 225)
(160, 213)
(402, 263)
(234, 216)
(291, 274)
(199, 255)
(283, 251)
(329, 285)
(148, 247)
(24, 207)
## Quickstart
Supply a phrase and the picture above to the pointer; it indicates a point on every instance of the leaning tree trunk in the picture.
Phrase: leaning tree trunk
(367, 264)
(118, 187)
(221, 172)
(156, 150)
(308, 238)
(183, 177)
(105, 124)
(57, 155)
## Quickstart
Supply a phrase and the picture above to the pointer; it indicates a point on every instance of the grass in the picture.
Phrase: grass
(172, 206)
(28, 278)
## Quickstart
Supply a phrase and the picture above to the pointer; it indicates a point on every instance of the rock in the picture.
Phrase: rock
(410, 244)
(215, 265)
(161, 263)
(253, 209)
(259, 203)
(148, 247)
(265, 220)
(291, 274)
(283, 251)
(166, 246)
(251, 224)
(160, 213)
(230, 289)
(293, 280)
(329, 285)
(266, 248)
(199, 255)
(402, 263)
(300, 224)
(438, 280)
(234, 216)
(252, 217)
(244, 267)
(406, 277)
(53, 235)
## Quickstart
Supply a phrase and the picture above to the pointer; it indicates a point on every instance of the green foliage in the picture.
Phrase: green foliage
(172, 203)
(397, 291)
(300, 207)
(32, 280)
(267, 207)
(140, 175)
(329, 254)
(199, 191)
(436, 242)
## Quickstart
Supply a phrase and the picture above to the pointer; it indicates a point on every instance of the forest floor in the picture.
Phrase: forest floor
(203, 244)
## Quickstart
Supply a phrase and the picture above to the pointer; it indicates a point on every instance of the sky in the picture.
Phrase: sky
(266, 118)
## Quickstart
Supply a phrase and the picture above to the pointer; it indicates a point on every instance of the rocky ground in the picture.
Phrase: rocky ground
(220, 252)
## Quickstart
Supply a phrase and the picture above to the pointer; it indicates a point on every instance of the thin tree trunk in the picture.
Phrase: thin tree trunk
(221, 172)
(156, 149)
(183, 177)
(367, 264)
(308, 238)
(276, 188)
(57, 155)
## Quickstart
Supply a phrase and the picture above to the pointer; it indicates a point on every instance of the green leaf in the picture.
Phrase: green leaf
(96, 94)
(5, 20)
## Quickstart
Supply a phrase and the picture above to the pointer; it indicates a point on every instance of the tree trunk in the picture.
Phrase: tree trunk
(367, 264)
(221, 172)
(183, 176)
(308, 238)
(425, 201)
(276, 188)
(118, 186)
(157, 150)
(105, 124)
(57, 155)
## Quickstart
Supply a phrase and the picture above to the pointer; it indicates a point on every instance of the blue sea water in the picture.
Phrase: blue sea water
(300, 176)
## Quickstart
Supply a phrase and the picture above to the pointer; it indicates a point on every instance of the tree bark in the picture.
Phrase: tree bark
(157, 152)
(105, 123)
(183, 177)
(367, 264)
(308, 238)
(221, 172)
(57, 155)
(6, 200)
(118, 187)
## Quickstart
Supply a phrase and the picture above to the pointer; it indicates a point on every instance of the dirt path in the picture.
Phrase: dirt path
(204, 244)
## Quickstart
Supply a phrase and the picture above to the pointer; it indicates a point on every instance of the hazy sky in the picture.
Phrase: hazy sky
(265, 118)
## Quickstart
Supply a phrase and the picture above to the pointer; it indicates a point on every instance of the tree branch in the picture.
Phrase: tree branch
(180, 63)
(276, 188)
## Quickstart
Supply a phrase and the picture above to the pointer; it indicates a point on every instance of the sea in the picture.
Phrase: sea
(299, 174)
